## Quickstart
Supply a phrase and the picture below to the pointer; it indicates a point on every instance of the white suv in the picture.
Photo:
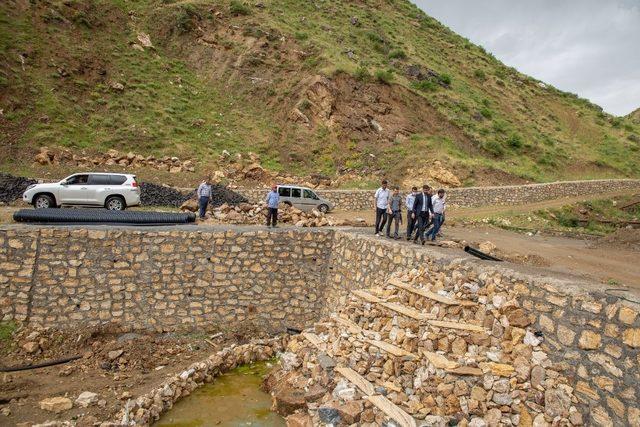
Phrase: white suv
(114, 191)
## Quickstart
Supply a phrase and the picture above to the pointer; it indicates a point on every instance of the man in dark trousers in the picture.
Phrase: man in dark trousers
(422, 208)
(381, 200)
(272, 199)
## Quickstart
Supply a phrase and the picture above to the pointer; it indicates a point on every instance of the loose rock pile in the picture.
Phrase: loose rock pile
(161, 195)
(12, 187)
(48, 156)
(424, 350)
(247, 213)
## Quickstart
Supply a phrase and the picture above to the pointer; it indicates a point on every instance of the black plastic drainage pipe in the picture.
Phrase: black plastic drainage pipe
(479, 254)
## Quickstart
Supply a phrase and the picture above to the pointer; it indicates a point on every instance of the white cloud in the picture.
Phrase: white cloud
(589, 47)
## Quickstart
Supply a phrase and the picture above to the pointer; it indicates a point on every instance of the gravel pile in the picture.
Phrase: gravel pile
(12, 187)
(159, 195)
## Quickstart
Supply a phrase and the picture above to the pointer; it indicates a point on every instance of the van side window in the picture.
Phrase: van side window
(295, 192)
(308, 194)
(284, 191)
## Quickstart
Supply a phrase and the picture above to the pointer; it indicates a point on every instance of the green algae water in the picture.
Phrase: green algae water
(232, 399)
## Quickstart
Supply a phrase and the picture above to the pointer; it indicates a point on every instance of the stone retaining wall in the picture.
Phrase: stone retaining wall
(593, 337)
(180, 279)
(478, 196)
(162, 280)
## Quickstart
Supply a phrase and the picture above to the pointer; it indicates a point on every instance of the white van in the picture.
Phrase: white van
(303, 198)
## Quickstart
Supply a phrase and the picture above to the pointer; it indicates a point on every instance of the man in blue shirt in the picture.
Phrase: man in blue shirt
(273, 198)
(204, 194)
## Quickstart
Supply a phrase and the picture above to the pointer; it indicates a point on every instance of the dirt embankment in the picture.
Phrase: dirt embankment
(114, 366)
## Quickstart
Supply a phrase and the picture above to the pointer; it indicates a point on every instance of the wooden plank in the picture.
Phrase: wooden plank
(465, 370)
(393, 411)
(356, 379)
(457, 325)
(313, 339)
(428, 294)
(439, 361)
(390, 348)
(351, 326)
(366, 296)
(406, 311)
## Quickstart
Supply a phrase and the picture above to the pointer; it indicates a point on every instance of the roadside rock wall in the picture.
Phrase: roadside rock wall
(592, 336)
(162, 280)
(478, 196)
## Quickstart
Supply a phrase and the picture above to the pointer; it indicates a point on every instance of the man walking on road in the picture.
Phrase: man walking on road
(439, 205)
(204, 194)
(395, 212)
(381, 200)
(422, 208)
(273, 199)
(411, 221)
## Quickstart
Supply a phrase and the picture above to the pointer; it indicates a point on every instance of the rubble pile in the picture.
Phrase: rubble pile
(48, 156)
(247, 213)
(430, 350)
(162, 195)
(12, 187)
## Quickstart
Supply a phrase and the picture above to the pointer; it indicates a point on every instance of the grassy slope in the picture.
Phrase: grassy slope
(61, 98)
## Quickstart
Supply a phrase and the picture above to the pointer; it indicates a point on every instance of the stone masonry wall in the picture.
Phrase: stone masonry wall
(162, 280)
(198, 278)
(478, 196)
(591, 336)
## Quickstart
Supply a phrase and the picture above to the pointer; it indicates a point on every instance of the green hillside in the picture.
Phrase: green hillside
(368, 88)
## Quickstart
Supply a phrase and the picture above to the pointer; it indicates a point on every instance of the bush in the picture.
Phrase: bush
(237, 8)
(384, 76)
(446, 79)
(425, 85)
(486, 113)
(397, 54)
(515, 141)
(493, 147)
(479, 74)
(300, 36)
(362, 74)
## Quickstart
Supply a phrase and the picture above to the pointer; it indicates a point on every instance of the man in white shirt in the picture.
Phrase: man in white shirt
(381, 200)
(439, 203)
(411, 220)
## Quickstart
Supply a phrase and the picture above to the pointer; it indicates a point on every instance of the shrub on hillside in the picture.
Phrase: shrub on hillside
(493, 147)
(445, 79)
(237, 8)
(480, 75)
(397, 54)
(515, 141)
(384, 76)
(486, 113)
(425, 85)
(362, 74)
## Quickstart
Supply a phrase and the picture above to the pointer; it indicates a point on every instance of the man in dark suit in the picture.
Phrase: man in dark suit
(422, 208)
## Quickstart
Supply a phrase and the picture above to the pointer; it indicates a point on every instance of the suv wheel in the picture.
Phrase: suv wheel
(115, 203)
(43, 201)
(323, 208)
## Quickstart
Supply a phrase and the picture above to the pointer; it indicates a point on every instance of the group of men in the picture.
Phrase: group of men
(425, 212)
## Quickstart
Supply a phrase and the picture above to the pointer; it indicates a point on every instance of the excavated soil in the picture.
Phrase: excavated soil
(626, 238)
(116, 366)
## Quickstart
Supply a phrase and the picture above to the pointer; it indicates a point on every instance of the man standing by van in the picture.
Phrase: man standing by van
(273, 199)
(204, 194)
(411, 221)
(422, 208)
(381, 200)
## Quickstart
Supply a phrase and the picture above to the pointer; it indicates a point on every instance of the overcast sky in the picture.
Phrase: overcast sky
(588, 47)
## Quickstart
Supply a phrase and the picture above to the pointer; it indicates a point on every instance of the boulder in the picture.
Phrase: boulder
(288, 400)
(86, 398)
(56, 404)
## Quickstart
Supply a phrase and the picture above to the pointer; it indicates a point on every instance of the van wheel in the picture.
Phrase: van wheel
(43, 201)
(323, 208)
(115, 203)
